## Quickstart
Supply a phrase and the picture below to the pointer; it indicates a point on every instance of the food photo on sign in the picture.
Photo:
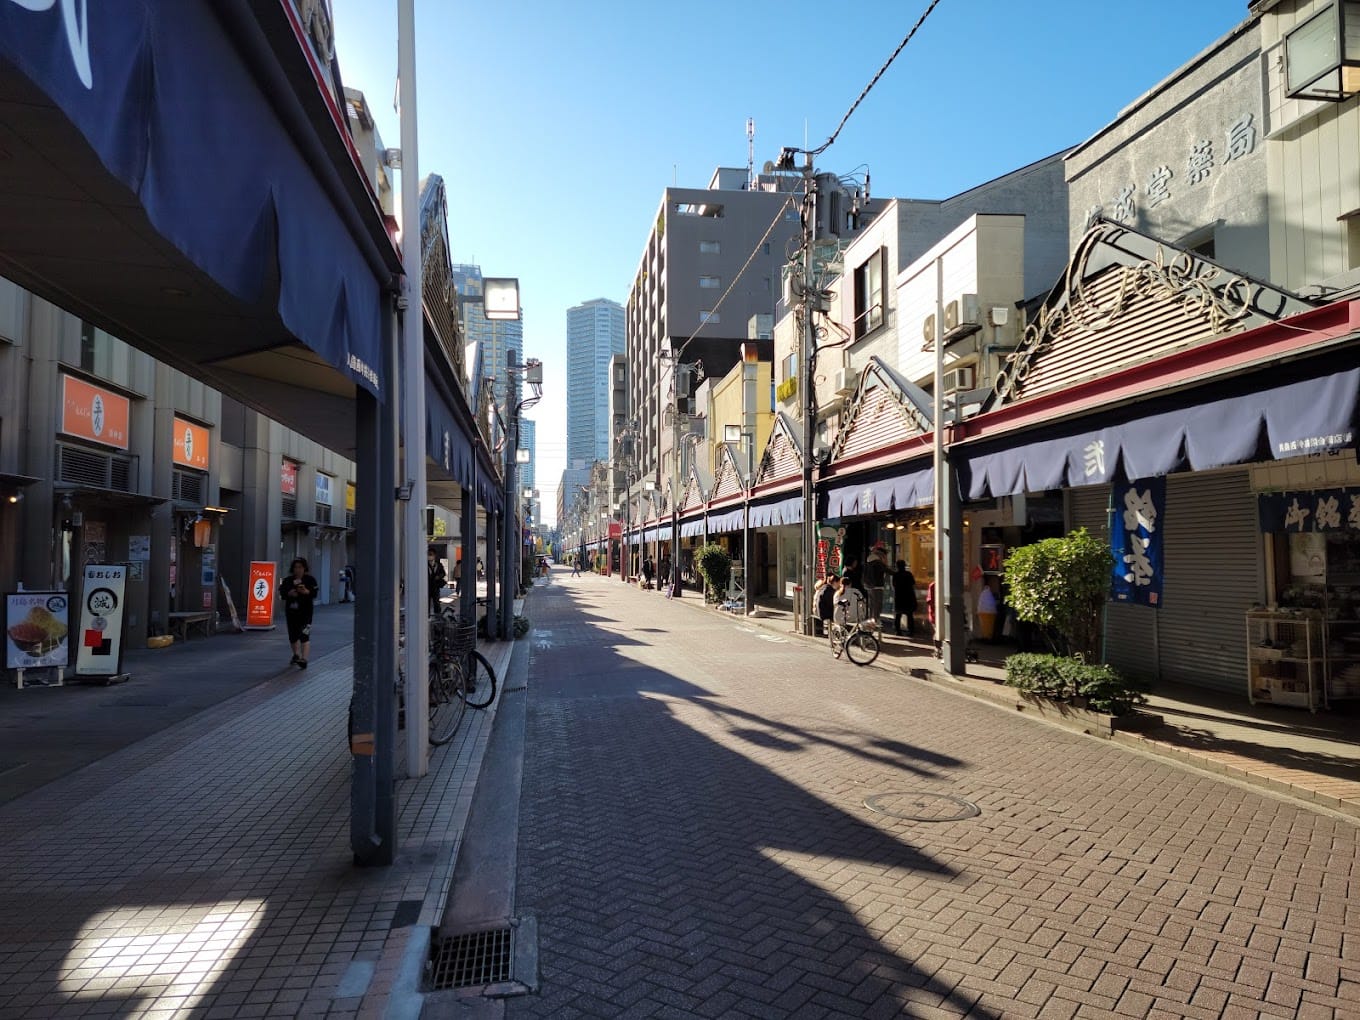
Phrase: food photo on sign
(36, 625)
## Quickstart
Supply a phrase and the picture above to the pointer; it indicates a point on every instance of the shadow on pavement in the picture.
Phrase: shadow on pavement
(665, 865)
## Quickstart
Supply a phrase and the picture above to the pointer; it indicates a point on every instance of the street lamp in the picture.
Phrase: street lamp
(530, 372)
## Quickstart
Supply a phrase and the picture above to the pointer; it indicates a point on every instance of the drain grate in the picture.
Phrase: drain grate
(916, 806)
(471, 960)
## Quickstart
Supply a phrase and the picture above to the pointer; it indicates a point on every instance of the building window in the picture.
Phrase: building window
(765, 248)
(790, 367)
(710, 247)
(1322, 55)
(870, 296)
(710, 282)
(1352, 222)
(707, 317)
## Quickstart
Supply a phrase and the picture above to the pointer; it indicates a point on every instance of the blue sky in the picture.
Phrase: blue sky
(557, 125)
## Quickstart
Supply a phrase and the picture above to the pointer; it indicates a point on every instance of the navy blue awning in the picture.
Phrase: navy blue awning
(186, 161)
(445, 442)
(902, 490)
(1293, 410)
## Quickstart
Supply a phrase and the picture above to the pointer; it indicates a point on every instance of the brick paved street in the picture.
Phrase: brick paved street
(694, 841)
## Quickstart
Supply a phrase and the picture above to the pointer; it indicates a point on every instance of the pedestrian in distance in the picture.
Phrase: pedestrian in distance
(458, 577)
(875, 580)
(436, 577)
(299, 591)
(648, 573)
(850, 604)
(825, 600)
(904, 598)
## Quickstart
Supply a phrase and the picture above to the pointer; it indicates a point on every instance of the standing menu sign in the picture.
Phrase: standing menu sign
(35, 630)
(101, 620)
(260, 605)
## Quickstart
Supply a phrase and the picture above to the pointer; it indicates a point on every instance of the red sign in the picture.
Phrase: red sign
(191, 444)
(288, 478)
(615, 529)
(260, 597)
(90, 412)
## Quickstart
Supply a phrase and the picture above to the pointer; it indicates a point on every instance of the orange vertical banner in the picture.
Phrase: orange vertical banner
(260, 604)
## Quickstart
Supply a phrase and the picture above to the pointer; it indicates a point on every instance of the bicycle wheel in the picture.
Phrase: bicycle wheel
(480, 689)
(836, 635)
(861, 647)
(446, 704)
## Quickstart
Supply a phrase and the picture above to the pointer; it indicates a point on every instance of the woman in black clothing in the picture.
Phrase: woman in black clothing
(299, 591)
(904, 598)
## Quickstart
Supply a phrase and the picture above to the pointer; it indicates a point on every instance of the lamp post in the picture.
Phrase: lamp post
(497, 297)
(736, 435)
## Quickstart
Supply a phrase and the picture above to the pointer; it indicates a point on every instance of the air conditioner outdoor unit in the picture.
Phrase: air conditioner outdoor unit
(843, 382)
(928, 328)
(961, 378)
(962, 311)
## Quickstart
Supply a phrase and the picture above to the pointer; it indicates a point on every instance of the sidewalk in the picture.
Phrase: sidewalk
(1314, 758)
(205, 870)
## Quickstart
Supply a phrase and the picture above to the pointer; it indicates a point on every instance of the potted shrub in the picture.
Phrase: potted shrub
(715, 567)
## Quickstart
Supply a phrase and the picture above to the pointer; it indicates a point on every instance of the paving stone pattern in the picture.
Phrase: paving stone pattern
(694, 842)
(206, 871)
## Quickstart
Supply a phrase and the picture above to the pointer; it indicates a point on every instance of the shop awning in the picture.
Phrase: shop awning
(689, 529)
(1292, 410)
(773, 513)
(174, 173)
(727, 520)
(901, 490)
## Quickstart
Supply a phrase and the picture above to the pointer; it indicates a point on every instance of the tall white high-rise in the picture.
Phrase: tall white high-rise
(488, 339)
(595, 333)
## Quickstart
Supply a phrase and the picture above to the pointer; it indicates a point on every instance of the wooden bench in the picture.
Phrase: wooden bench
(183, 623)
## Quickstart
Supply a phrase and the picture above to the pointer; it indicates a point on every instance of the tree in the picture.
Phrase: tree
(1063, 584)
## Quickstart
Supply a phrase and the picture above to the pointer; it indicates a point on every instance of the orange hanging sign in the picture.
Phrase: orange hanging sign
(260, 601)
(93, 413)
(191, 444)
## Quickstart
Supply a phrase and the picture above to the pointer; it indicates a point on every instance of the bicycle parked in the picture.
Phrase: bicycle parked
(460, 676)
(856, 640)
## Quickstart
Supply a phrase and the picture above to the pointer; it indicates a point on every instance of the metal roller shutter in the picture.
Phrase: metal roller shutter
(1130, 631)
(1213, 575)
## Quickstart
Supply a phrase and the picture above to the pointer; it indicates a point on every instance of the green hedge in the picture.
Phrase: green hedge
(1061, 678)
(715, 567)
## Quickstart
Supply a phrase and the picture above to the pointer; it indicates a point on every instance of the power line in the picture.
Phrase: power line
(853, 106)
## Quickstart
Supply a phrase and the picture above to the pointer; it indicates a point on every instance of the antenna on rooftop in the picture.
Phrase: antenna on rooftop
(750, 154)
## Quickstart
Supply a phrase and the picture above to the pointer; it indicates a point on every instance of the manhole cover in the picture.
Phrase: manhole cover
(915, 806)
(470, 960)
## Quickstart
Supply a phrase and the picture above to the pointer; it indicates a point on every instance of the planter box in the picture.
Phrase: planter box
(1085, 720)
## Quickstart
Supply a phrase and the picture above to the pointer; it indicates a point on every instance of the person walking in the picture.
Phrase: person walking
(875, 579)
(436, 577)
(648, 573)
(458, 577)
(904, 598)
(299, 591)
(576, 566)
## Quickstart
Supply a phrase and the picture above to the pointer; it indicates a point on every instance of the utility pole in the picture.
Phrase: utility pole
(508, 536)
(807, 402)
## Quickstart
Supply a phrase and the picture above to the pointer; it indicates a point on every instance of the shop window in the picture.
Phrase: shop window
(1352, 224)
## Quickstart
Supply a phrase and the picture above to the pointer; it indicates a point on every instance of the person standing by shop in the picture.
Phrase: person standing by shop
(825, 600)
(436, 576)
(904, 598)
(299, 591)
(986, 611)
(458, 577)
(853, 575)
(875, 578)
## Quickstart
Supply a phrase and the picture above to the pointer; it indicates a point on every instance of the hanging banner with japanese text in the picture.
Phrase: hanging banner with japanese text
(1316, 510)
(1136, 541)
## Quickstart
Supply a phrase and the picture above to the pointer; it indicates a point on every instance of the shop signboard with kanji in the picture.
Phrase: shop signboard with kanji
(260, 595)
(101, 620)
(36, 629)
(93, 413)
(1136, 528)
(191, 445)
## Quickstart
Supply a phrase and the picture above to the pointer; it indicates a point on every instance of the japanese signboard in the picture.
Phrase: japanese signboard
(288, 478)
(1300, 512)
(93, 413)
(1136, 541)
(349, 496)
(101, 620)
(35, 629)
(260, 601)
(191, 445)
(323, 489)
